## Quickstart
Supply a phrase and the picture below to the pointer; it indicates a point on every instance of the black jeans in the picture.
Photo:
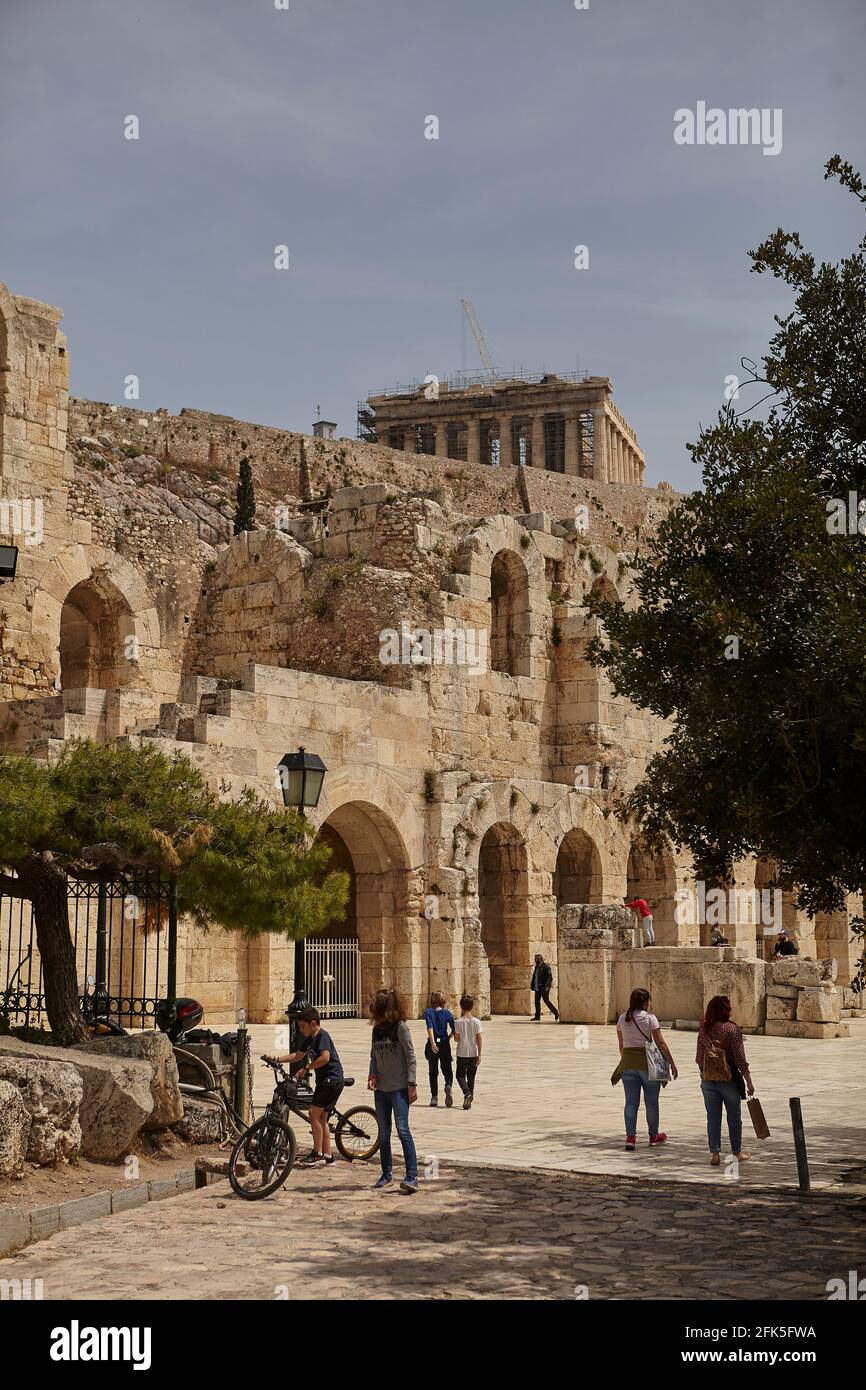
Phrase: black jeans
(434, 1062)
(466, 1069)
(545, 995)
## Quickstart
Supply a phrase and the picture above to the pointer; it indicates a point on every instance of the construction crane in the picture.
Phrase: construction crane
(479, 337)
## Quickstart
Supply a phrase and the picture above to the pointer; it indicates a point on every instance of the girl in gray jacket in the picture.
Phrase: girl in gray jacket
(392, 1079)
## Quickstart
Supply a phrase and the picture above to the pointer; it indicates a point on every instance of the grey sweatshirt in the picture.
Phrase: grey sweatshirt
(392, 1060)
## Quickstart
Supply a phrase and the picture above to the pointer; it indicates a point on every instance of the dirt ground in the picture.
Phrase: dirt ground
(47, 1186)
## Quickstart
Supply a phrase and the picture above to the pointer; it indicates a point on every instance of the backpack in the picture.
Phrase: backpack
(716, 1066)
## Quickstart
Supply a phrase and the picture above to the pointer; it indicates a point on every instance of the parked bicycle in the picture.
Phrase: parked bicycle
(268, 1148)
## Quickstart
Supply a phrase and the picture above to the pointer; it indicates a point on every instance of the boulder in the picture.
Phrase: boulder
(591, 925)
(201, 1122)
(117, 1099)
(14, 1130)
(155, 1049)
(52, 1094)
(819, 1006)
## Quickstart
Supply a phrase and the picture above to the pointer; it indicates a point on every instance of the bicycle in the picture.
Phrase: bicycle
(269, 1147)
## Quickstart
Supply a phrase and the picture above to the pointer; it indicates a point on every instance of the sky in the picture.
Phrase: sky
(306, 127)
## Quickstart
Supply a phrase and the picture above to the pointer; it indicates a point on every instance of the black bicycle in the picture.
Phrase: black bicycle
(265, 1153)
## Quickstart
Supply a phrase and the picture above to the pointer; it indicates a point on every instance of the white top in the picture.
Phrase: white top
(467, 1030)
(631, 1035)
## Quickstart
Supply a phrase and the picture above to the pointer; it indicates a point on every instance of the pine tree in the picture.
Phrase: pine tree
(104, 808)
(245, 507)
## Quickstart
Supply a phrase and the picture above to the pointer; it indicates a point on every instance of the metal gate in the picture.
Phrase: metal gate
(333, 977)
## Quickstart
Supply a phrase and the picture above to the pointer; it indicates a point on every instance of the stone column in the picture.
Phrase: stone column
(599, 445)
(612, 461)
(473, 441)
(572, 456)
(409, 439)
(538, 440)
(441, 440)
(506, 458)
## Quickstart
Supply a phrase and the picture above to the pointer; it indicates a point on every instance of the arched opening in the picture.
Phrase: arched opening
(503, 893)
(379, 931)
(509, 614)
(651, 876)
(341, 860)
(577, 877)
(97, 643)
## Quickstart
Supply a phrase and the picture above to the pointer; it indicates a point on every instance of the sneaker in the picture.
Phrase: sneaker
(330, 1158)
(630, 1141)
(434, 1101)
(449, 1099)
(384, 1181)
(658, 1138)
(311, 1160)
(536, 1020)
(467, 1101)
(409, 1185)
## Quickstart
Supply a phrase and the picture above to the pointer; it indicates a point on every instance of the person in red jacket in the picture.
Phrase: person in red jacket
(646, 918)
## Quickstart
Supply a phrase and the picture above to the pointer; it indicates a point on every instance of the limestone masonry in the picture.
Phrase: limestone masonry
(416, 615)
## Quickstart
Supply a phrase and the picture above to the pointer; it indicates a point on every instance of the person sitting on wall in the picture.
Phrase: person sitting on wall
(785, 946)
(718, 937)
(646, 918)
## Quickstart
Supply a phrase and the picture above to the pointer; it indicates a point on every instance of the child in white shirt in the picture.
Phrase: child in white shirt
(468, 1034)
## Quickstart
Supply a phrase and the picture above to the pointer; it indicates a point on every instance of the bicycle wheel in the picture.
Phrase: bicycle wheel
(357, 1133)
(268, 1148)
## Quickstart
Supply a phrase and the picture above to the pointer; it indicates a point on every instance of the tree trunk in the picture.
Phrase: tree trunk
(45, 884)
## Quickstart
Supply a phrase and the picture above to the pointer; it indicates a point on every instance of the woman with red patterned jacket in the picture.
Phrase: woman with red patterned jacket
(720, 1051)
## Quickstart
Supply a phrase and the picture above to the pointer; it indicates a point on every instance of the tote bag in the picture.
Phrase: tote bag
(657, 1065)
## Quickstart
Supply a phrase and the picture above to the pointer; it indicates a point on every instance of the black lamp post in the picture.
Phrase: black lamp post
(301, 776)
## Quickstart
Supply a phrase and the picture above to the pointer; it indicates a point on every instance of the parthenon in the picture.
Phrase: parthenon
(565, 423)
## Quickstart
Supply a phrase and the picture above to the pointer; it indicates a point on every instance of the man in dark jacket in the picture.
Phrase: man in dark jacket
(541, 984)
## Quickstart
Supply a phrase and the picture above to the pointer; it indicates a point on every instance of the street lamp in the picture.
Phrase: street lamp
(301, 776)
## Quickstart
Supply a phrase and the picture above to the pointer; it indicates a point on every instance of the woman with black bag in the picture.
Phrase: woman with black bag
(725, 1076)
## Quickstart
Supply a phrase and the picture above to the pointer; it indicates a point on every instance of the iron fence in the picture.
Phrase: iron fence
(124, 934)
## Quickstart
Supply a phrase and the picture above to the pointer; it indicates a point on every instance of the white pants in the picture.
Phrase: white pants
(647, 929)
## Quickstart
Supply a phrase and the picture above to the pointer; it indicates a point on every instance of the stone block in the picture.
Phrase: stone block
(52, 1093)
(796, 970)
(162, 1187)
(781, 1008)
(186, 1180)
(83, 1209)
(782, 991)
(129, 1197)
(777, 1028)
(201, 1122)
(14, 1230)
(14, 1130)
(44, 1222)
(819, 1006)
(117, 1094)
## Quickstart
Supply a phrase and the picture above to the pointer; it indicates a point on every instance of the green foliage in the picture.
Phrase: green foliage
(767, 752)
(245, 500)
(243, 864)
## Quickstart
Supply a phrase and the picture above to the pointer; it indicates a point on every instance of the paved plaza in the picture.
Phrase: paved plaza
(473, 1233)
(544, 1100)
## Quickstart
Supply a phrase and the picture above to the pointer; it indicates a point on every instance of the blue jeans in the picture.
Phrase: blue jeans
(717, 1094)
(633, 1082)
(395, 1103)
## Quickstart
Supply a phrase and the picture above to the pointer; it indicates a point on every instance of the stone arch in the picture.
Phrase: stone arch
(652, 875)
(104, 588)
(577, 877)
(509, 614)
(503, 895)
(95, 621)
(383, 837)
(504, 570)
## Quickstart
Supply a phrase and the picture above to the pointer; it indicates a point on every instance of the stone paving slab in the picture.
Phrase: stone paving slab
(473, 1233)
(544, 1102)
